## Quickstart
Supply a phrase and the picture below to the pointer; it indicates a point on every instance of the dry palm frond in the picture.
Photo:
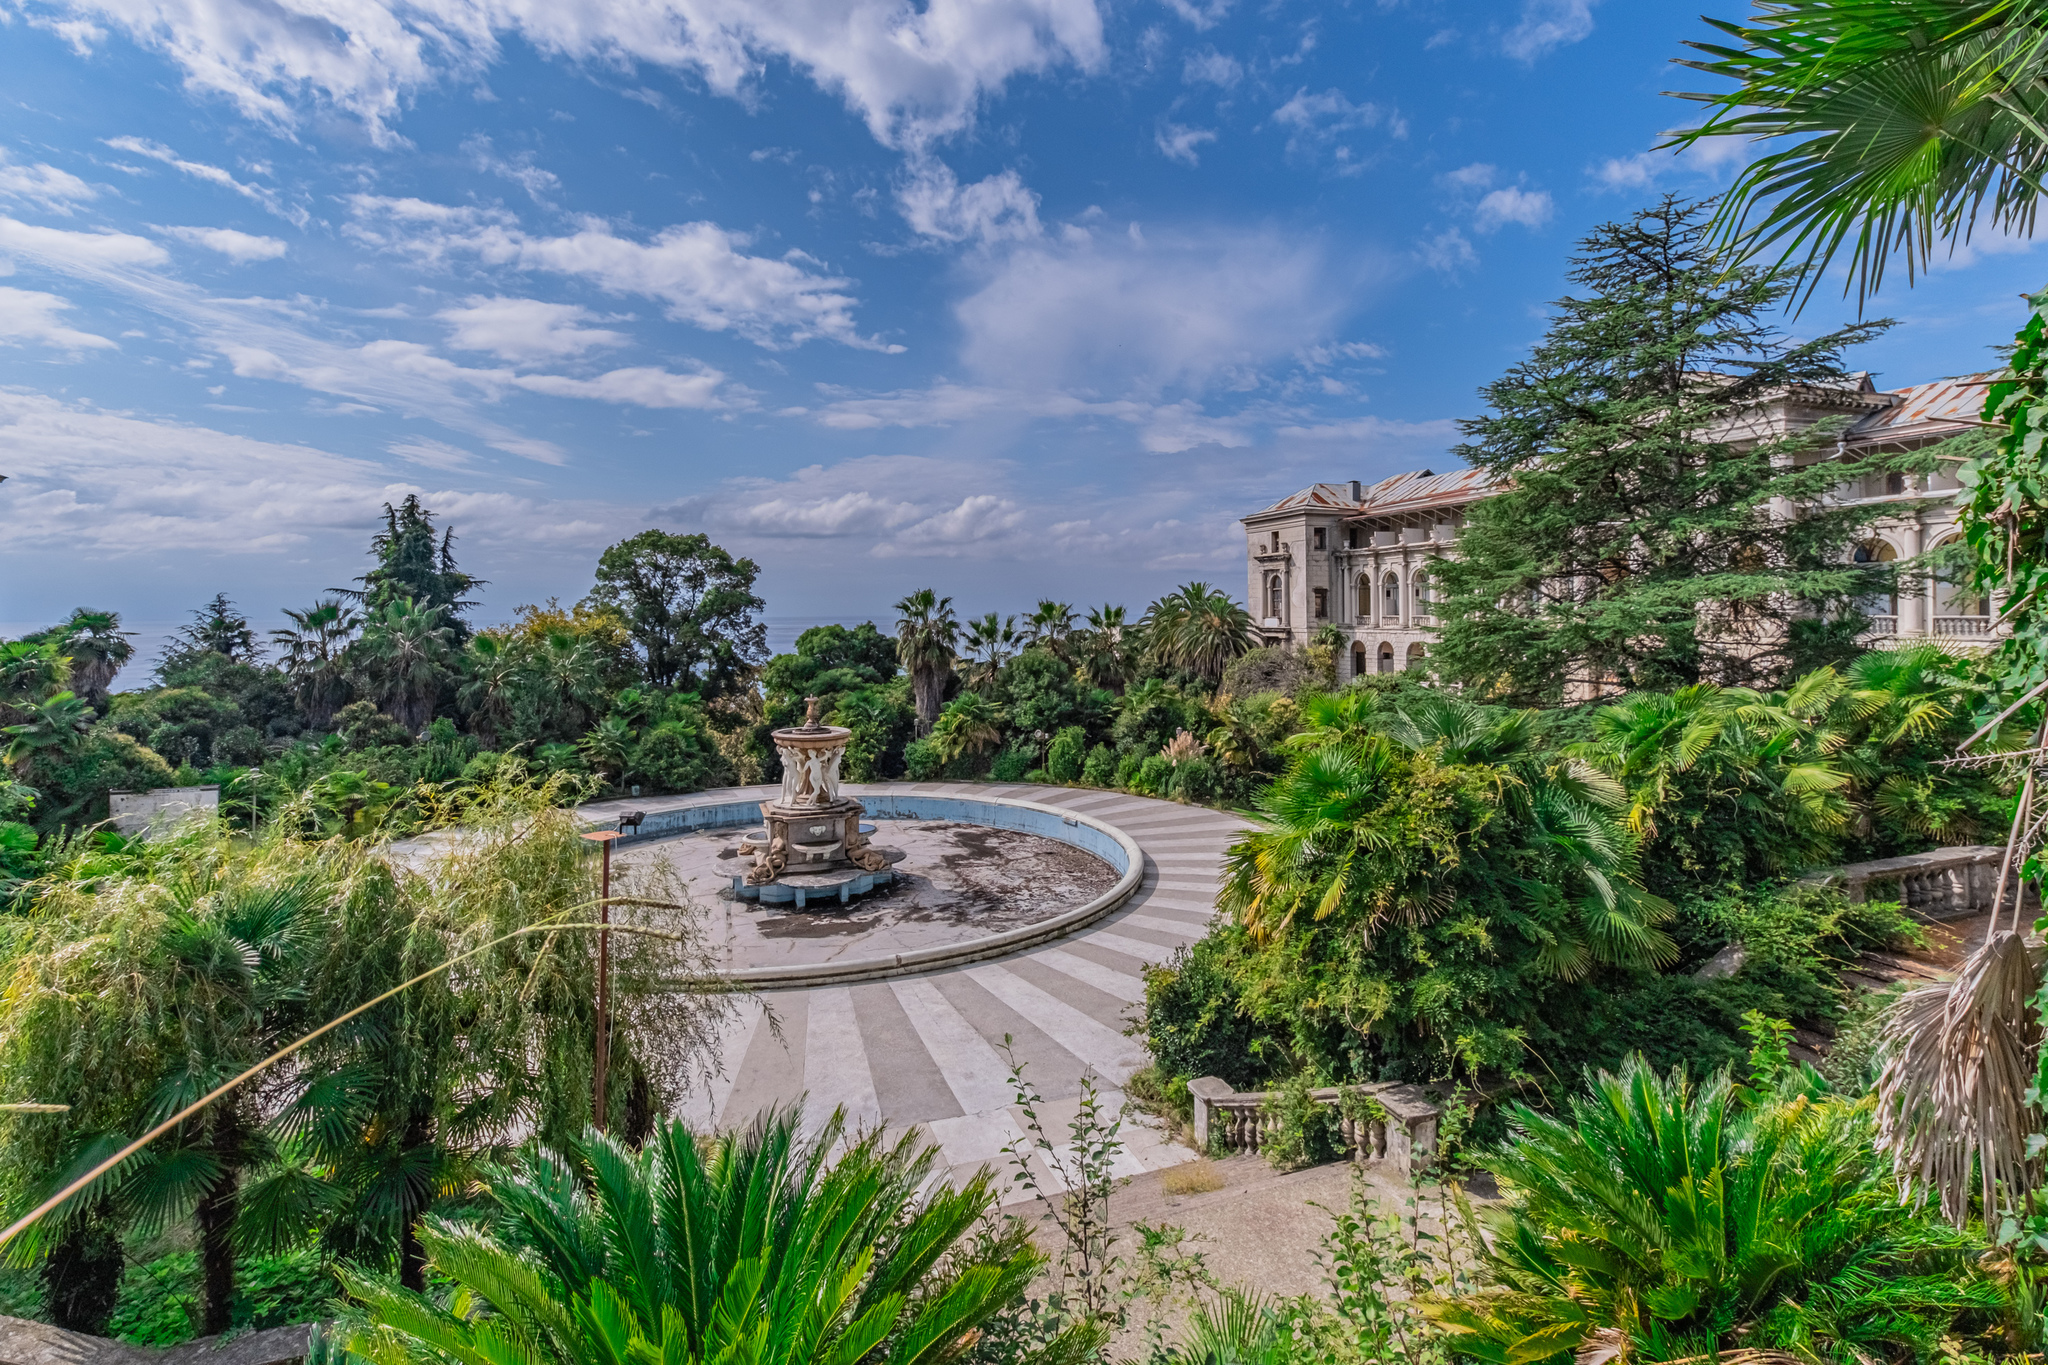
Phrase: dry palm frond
(1952, 1107)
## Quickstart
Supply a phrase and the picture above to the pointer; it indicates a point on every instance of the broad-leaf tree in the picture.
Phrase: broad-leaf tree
(691, 608)
(1641, 533)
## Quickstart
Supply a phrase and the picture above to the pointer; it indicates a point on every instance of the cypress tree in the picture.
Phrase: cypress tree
(1657, 524)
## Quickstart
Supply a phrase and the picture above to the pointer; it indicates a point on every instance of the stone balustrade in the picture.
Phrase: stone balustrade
(1405, 1138)
(1943, 883)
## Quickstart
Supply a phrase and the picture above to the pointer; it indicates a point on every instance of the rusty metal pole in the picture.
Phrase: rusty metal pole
(604, 983)
(603, 838)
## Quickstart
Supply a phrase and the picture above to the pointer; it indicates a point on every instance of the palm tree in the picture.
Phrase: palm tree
(926, 634)
(314, 647)
(1198, 628)
(1106, 649)
(489, 666)
(971, 724)
(52, 726)
(762, 1248)
(98, 649)
(1051, 625)
(404, 655)
(30, 670)
(989, 644)
(1660, 1219)
(1893, 127)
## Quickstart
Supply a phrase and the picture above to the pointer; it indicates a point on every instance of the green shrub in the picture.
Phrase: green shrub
(362, 726)
(1154, 776)
(1198, 781)
(1100, 769)
(922, 761)
(1298, 1130)
(1069, 752)
(1194, 1021)
(159, 1303)
(1011, 764)
(76, 787)
(1127, 770)
(672, 757)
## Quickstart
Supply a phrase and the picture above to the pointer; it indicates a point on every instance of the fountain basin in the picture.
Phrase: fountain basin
(872, 957)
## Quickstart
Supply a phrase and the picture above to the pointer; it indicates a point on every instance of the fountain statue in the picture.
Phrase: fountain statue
(810, 827)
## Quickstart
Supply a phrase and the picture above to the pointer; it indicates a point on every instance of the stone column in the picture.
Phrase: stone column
(1914, 618)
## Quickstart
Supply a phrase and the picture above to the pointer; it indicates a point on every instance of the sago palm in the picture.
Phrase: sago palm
(1660, 1219)
(761, 1248)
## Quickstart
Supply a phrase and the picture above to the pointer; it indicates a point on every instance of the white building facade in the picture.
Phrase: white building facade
(1358, 556)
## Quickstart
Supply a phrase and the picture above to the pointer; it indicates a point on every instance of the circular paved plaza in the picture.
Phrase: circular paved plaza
(927, 1050)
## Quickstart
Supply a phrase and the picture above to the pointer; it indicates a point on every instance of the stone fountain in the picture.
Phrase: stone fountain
(810, 828)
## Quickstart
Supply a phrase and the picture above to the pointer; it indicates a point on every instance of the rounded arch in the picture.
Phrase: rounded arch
(1953, 594)
(1416, 654)
(1386, 656)
(1358, 667)
(1422, 589)
(1274, 595)
(1390, 596)
(1365, 597)
(1877, 550)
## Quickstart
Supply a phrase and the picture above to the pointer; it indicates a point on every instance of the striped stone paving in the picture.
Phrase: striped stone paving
(928, 1051)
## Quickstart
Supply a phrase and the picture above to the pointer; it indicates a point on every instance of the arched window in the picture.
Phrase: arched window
(1358, 661)
(1877, 604)
(1419, 587)
(1386, 658)
(1273, 596)
(1364, 598)
(1959, 609)
(1390, 597)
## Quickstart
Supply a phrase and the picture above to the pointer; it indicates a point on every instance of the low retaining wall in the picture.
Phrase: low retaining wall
(732, 809)
(1943, 883)
(23, 1342)
(1236, 1121)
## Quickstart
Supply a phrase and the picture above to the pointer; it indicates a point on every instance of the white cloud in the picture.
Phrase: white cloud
(1318, 122)
(913, 72)
(239, 247)
(539, 184)
(1707, 158)
(645, 386)
(77, 249)
(50, 189)
(424, 450)
(1118, 316)
(697, 270)
(1510, 204)
(26, 315)
(1448, 251)
(1210, 67)
(1545, 25)
(1203, 16)
(1179, 143)
(994, 209)
(524, 330)
(1321, 357)
(212, 175)
(113, 485)
(1476, 176)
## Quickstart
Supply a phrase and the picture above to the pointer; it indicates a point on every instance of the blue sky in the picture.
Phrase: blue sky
(1015, 298)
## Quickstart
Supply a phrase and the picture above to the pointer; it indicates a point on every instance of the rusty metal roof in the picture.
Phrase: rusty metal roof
(1956, 401)
(1416, 490)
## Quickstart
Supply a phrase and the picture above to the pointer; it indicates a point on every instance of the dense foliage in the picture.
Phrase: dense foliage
(1443, 888)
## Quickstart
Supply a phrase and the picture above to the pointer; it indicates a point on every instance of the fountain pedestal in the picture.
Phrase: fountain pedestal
(810, 827)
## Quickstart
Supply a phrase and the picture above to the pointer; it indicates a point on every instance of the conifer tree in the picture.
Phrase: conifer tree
(1657, 524)
(416, 562)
